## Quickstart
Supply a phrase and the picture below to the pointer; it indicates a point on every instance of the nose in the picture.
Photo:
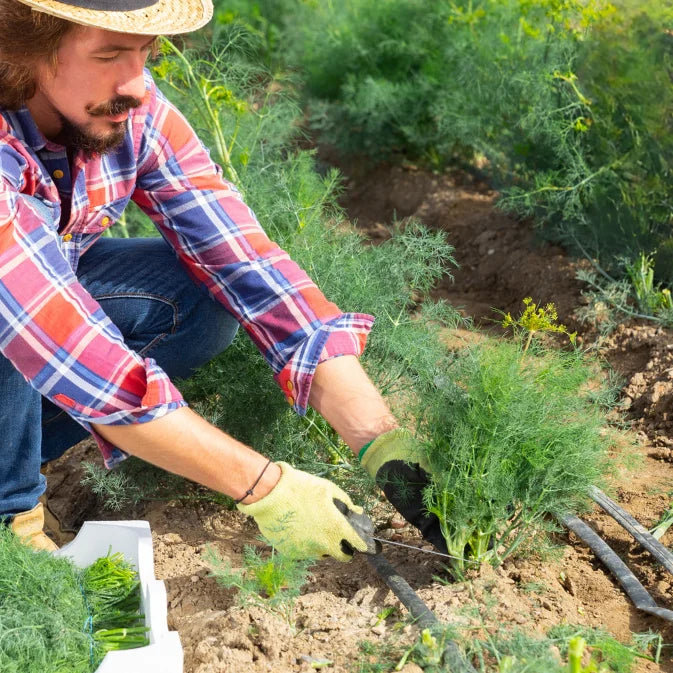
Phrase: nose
(131, 79)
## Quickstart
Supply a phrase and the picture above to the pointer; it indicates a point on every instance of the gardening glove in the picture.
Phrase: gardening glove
(402, 472)
(305, 516)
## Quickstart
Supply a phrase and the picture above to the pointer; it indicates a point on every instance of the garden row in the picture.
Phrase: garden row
(565, 105)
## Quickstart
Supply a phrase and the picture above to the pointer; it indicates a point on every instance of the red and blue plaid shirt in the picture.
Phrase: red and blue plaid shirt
(60, 339)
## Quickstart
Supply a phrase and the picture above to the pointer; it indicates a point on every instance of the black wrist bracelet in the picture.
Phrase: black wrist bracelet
(251, 490)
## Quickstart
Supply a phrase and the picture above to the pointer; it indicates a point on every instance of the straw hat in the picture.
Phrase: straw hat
(140, 17)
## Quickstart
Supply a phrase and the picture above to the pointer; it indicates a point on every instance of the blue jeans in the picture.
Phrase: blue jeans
(162, 314)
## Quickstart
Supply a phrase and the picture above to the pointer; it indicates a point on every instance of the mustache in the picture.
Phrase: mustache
(115, 106)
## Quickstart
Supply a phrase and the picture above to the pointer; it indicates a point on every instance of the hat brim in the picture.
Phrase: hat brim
(165, 17)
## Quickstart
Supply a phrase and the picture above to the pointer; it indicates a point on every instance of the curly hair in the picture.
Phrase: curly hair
(27, 38)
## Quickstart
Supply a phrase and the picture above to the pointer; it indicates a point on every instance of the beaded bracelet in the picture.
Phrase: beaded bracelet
(251, 490)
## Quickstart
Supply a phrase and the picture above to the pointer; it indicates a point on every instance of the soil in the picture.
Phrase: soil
(501, 261)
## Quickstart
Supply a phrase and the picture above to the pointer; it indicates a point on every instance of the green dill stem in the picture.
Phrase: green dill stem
(572, 188)
(514, 523)
(479, 544)
(576, 648)
(112, 634)
(211, 117)
(312, 424)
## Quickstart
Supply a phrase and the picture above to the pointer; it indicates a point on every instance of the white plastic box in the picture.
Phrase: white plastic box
(134, 540)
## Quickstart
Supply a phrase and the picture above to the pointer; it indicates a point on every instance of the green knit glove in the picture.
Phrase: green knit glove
(304, 516)
(401, 470)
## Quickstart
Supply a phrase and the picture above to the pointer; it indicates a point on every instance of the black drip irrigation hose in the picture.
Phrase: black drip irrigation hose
(634, 589)
(637, 530)
(424, 617)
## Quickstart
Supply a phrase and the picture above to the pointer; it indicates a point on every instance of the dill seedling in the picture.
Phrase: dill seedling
(271, 581)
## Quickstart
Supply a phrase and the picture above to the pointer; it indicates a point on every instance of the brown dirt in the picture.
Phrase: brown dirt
(500, 263)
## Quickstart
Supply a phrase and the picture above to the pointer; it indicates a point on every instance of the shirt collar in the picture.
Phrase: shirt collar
(25, 129)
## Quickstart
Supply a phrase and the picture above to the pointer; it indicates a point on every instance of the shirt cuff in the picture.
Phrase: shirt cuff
(345, 335)
(160, 398)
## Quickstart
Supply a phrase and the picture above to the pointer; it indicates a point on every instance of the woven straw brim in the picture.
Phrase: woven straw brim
(166, 17)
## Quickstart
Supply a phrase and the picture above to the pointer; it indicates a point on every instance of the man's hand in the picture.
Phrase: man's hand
(303, 516)
(401, 471)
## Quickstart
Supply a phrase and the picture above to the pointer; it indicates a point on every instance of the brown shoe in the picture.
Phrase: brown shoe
(29, 526)
(52, 525)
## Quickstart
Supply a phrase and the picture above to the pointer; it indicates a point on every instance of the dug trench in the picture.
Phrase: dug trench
(501, 261)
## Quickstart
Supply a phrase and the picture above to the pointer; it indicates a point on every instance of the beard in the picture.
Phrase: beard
(79, 137)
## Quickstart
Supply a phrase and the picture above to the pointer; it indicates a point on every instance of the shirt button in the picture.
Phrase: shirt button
(67, 237)
(58, 173)
(290, 400)
(105, 221)
(289, 386)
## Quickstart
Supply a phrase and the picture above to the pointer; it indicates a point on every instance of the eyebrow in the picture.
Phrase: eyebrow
(119, 47)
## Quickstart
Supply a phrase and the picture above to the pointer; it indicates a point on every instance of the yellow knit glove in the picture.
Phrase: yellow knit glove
(300, 517)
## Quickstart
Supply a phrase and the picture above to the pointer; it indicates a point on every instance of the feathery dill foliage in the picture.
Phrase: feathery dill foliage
(45, 605)
(512, 436)
(136, 481)
(271, 581)
(568, 100)
(42, 612)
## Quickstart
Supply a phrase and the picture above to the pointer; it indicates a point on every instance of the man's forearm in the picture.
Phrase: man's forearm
(184, 443)
(343, 394)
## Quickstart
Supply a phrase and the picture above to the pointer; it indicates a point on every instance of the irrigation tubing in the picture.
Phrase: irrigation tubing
(634, 589)
(637, 530)
(424, 617)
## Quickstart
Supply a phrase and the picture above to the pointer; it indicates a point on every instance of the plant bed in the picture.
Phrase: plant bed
(343, 606)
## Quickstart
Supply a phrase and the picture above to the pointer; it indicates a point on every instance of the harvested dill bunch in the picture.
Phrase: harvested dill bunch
(112, 593)
(55, 617)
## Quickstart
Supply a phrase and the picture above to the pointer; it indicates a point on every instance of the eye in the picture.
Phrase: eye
(106, 59)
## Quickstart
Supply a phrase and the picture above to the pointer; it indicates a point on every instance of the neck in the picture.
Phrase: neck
(45, 116)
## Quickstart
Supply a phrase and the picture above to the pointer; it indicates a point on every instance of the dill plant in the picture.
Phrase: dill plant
(271, 582)
(514, 433)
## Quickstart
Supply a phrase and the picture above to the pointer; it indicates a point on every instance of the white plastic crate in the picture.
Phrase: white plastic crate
(134, 540)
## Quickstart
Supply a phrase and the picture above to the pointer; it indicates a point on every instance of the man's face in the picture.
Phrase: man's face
(84, 102)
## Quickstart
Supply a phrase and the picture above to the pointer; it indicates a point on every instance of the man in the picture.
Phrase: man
(92, 329)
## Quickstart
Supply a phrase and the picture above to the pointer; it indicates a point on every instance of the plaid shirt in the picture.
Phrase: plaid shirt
(60, 339)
